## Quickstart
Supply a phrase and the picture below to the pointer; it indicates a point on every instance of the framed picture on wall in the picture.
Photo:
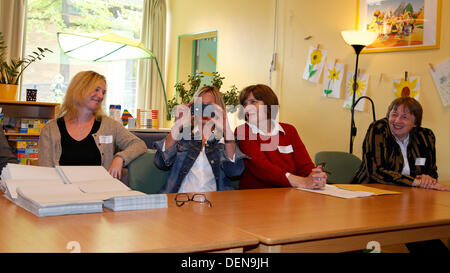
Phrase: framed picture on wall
(400, 24)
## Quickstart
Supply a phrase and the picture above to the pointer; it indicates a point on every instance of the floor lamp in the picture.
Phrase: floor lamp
(358, 40)
(106, 48)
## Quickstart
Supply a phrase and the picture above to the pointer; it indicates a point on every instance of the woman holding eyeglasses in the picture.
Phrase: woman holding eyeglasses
(200, 152)
(277, 156)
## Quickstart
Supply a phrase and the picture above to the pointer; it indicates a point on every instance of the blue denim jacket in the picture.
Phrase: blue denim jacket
(180, 158)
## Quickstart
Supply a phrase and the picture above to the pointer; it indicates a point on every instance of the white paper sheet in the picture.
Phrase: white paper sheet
(338, 192)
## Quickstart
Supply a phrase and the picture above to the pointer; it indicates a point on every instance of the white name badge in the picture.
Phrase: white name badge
(105, 139)
(286, 149)
(420, 161)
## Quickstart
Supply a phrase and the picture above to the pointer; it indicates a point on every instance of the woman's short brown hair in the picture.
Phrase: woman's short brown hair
(263, 93)
(411, 104)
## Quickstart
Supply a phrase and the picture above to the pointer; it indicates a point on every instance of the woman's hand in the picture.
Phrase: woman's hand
(427, 182)
(115, 169)
(221, 122)
(317, 179)
(182, 116)
(440, 187)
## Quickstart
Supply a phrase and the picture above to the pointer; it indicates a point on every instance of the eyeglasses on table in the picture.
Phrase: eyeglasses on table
(182, 198)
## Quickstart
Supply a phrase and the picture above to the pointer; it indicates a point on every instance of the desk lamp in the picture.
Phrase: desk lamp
(358, 40)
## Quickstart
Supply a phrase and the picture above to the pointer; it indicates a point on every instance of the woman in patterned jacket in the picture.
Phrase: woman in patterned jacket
(397, 150)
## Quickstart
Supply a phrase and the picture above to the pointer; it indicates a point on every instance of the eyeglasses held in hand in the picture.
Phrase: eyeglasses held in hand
(182, 198)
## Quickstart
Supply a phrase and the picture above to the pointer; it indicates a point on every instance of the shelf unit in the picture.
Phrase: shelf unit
(28, 109)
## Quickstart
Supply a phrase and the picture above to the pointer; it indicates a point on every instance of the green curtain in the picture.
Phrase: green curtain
(153, 36)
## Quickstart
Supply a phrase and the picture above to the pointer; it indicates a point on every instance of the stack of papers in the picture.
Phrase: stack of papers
(61, 199)
(120, 203)
(64, 190)
(349, 191)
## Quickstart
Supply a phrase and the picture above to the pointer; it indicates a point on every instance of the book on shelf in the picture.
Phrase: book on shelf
(47, 191)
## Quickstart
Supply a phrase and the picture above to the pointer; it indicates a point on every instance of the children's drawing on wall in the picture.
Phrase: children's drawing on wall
(407, 88)
(361, 88)
(332, 79)
(314, 64)
(441, 78)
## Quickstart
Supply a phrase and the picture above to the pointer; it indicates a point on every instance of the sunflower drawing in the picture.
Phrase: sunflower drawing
(333, 76)
(316, 58)
(406, 88)
(361, 86)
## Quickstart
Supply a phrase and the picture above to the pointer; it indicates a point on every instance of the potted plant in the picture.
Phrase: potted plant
(11, 71)
(230, 97)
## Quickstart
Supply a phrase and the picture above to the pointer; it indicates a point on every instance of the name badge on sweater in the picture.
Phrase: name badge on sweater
(420, 161)
(105, 139)
(286, 149)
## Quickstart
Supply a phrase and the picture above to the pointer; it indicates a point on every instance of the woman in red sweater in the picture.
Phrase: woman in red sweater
(277, 156)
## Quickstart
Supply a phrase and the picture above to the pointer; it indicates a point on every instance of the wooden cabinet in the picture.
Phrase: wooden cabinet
(29, 110)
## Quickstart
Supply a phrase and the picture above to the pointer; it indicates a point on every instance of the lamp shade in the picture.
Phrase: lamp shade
(106, 48)
(359, 37)
(102, 47)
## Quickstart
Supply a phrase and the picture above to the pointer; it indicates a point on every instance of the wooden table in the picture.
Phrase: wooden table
(291, 220)
(157, 230)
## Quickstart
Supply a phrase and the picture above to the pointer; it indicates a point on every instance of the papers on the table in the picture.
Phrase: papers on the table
(154, 201)
(12, 185)
(357, 187)
(92, 186)
(73, 174)
(19, 171)
(71, 190)
(349, 191)
(60, 200)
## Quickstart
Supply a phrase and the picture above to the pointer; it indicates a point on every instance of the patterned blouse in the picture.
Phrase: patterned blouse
(383, 159)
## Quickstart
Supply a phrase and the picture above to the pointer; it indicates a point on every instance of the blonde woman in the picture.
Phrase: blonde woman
(200, 151)
(83, 135)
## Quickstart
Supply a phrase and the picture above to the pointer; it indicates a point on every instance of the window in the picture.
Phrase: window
(197, 53)
(205, 55)
(52, 74)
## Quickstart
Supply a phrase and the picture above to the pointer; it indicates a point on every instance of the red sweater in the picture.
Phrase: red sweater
(267, 169)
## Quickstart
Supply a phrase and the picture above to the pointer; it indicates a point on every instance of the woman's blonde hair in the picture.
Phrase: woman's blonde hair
(215, 92)
(79, 90)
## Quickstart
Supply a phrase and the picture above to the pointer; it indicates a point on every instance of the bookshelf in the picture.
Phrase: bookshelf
(26, 143)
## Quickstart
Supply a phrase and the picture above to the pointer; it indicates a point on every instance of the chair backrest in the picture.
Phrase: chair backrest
(144, 176)
(341, 165)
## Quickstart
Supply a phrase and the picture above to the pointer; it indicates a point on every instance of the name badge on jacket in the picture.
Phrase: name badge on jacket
(420, 161)
(105, 139)
(286, 149)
